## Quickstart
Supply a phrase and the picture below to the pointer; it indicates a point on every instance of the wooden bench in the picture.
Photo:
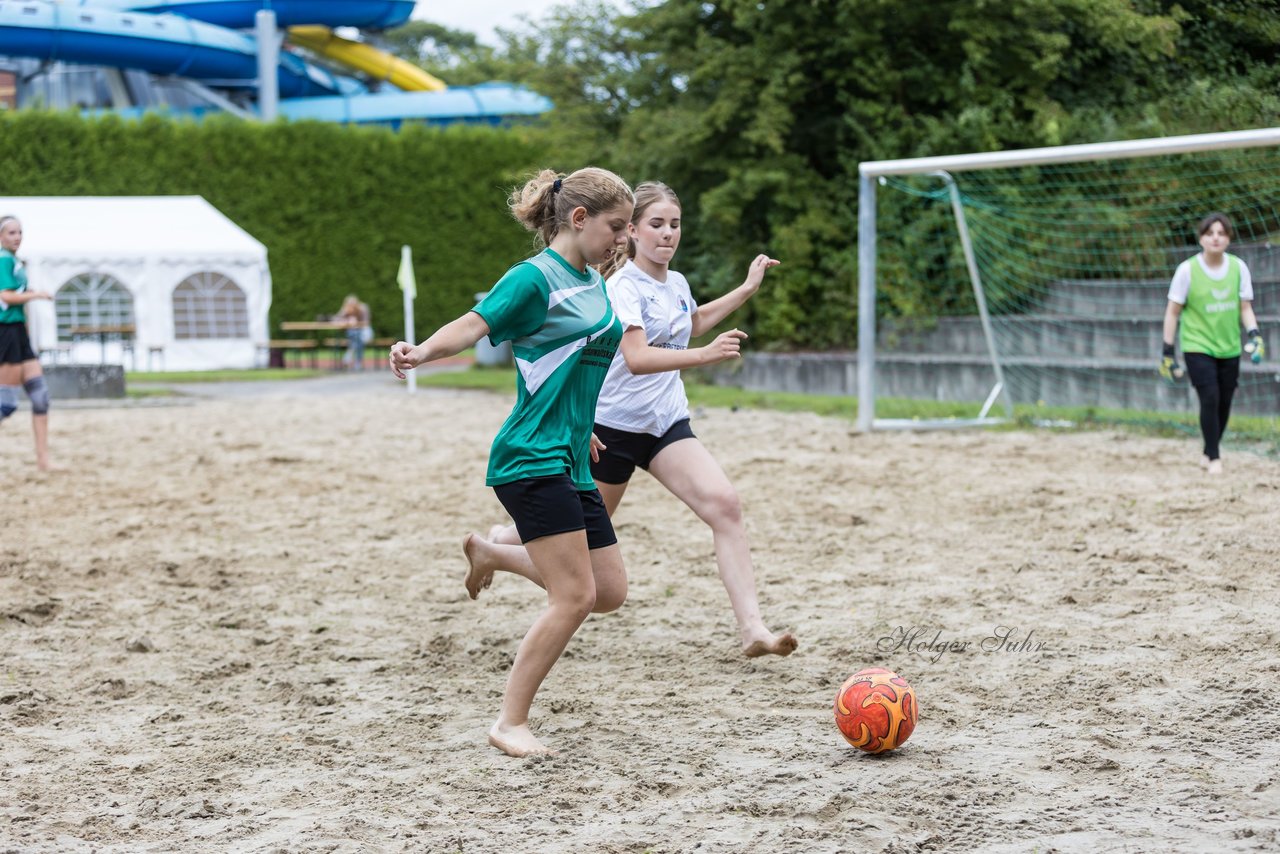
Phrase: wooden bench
(58, 352)
(276, 348)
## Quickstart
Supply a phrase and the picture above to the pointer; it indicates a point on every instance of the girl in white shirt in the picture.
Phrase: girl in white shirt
(642, 416)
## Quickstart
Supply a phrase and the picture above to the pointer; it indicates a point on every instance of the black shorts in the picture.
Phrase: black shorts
(542, 506)
(15, 345)
(624, 450)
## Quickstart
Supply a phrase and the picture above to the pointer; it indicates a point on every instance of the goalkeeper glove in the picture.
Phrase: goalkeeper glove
(1170, 370)
(1255, 348)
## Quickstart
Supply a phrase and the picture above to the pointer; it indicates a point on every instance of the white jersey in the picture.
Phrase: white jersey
(649, 403)
(1181, 284)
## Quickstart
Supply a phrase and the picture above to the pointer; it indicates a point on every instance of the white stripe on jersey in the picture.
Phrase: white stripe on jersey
(563, 294)
(536, 373)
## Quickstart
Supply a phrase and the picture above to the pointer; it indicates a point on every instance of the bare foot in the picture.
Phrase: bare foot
(518, 741)
(1204, 462)
(479, 576)
(783, 644)
(1214, 467)
(496, 530)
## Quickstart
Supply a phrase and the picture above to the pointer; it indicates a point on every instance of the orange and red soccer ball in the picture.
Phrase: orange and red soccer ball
(876, 710)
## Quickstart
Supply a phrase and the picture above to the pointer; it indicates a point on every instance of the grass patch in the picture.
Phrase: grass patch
(1253, 433)
(841, 406)
(481, 378)
(728, 397)
(250, 375)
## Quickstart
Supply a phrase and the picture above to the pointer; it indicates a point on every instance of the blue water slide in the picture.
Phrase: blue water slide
(239, 14)
(197, 39)
(160, 44)
(488, 103)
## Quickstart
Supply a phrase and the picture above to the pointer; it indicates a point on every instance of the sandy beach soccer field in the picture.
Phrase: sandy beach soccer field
(239, 624)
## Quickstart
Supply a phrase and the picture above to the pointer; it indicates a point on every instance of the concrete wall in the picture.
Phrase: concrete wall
(1087, 343)
(1038, 335)
(1110, 384)
(73, 382)
(1096, 343)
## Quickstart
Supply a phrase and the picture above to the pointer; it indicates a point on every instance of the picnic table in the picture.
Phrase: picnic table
(314, 326)
(307, 336)
(125, 331)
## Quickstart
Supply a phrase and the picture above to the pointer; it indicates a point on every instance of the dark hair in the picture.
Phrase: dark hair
(1207, 223)
(647, 194)
(544, 203)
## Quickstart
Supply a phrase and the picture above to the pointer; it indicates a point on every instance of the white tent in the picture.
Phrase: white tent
(165, 282)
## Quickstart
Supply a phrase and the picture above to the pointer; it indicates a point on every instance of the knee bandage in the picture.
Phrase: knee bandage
(38, 391)
(8, 400)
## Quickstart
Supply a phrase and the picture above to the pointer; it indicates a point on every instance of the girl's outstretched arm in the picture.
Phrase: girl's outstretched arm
(23, 297)
(448, 340)
(643, 359)
(707, 316)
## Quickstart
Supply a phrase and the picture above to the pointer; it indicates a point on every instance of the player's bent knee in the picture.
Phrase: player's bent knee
(610, 597)
(724, 507)
(580, 603)
(38, 390)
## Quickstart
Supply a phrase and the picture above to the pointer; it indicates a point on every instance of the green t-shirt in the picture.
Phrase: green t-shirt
(1211, 315)
(563, 334)
(13, 277)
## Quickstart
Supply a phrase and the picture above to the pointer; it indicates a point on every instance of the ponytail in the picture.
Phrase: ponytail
(544, 203)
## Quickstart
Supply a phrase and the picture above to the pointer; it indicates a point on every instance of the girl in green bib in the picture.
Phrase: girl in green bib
(1212, 295)
(554, 310)
(18, 362)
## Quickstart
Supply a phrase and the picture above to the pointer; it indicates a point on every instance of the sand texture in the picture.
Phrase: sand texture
(239, 624)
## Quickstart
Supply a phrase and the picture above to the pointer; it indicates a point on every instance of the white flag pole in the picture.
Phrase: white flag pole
(409, 287)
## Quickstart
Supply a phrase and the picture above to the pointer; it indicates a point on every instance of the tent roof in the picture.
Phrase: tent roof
(100, 228)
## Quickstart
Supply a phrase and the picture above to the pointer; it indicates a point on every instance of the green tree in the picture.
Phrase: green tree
(437, 49)
(758, 113)
(772, 105)
(586, 58)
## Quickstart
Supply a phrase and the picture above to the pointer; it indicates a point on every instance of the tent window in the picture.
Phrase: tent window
(209, 305)
(92, 299)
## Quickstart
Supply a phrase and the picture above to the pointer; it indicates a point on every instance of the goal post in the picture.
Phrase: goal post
(1008, 209)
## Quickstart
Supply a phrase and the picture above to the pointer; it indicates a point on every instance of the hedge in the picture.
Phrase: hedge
(332, 204)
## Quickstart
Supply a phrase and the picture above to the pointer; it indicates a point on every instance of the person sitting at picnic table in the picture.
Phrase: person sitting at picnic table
(357, 316)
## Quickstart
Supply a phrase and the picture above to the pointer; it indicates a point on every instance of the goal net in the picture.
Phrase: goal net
(1038, 286)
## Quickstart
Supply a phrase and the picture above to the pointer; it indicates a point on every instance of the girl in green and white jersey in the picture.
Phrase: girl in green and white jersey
(1212, 295)
(642, 417)
(18, 362)
(554, 310)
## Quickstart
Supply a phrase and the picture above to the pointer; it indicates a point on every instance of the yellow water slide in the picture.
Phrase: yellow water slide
(363, 57)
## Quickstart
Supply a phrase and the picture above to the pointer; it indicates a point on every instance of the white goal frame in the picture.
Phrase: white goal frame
(874, 171)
